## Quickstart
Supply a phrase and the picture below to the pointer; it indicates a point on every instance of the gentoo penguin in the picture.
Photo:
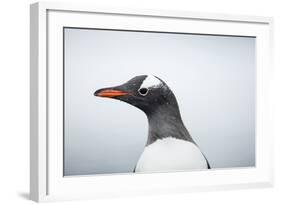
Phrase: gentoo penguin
(169, 145)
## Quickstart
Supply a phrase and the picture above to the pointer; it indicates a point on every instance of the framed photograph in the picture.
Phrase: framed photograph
(130, 102)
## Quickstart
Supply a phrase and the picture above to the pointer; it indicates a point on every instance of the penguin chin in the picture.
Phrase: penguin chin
(135, 103)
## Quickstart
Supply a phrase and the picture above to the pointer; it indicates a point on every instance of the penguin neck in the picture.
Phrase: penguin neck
(165, 121)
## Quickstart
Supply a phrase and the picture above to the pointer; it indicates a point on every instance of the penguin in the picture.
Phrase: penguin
(169, 145)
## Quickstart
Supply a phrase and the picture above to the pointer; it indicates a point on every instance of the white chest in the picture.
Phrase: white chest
(171, 154)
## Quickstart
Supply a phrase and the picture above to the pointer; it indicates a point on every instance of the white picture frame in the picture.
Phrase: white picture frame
(46, 179)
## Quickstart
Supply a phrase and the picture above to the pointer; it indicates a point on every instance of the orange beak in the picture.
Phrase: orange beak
(109, 93)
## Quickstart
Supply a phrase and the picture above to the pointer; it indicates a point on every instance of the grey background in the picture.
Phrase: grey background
(213, 78)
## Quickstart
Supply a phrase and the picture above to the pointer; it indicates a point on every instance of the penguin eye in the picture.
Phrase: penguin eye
(143, 91)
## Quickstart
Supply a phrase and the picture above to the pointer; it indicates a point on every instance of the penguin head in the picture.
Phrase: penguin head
(146, 92)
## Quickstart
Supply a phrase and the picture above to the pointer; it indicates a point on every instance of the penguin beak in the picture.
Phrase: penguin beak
(110, 92)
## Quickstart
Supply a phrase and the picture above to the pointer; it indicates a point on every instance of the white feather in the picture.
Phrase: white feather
(171, 154)
(151, 82)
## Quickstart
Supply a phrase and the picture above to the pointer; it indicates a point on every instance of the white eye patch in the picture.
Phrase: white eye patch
(151, 82)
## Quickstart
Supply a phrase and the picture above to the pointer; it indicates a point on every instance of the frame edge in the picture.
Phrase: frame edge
(34, 37)
(95, 8)
(38, 103)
